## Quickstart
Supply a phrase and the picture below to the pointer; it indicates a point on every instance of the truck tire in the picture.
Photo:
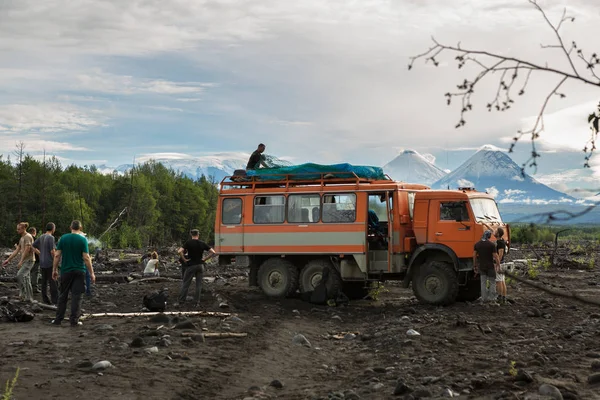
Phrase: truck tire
(311, 274)
(278, 277)
(470, 292)
(436, 283)
(355, 290)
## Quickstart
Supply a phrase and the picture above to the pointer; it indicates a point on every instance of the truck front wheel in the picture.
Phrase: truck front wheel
(435, 283)
(278, 277)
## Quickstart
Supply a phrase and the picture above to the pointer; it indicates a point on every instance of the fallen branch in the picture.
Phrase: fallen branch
(46, 306)
(150, 314)
(155, 279)
(560, 293)
(217, 335)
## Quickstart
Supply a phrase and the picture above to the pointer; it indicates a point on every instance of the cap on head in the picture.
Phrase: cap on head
(195, 232)
(487, 234)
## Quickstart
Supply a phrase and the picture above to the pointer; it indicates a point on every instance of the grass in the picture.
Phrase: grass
(533, 270)
(10, 387)
(376, 290)
(512, 370)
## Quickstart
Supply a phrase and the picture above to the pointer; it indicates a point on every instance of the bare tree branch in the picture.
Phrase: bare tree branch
(508, 68)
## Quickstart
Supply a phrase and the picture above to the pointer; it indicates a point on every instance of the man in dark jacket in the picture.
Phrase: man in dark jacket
(257, 159)
(486, 264)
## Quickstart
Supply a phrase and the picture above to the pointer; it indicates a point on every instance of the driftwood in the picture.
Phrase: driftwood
(218, 335)
(155, 279)
(46, 306)
(560, 293)
(150, 314)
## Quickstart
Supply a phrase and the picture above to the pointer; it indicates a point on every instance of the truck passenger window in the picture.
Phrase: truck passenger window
(304, 208)
(339, 208)
(232, 211)
(269, 209)
(454, 211)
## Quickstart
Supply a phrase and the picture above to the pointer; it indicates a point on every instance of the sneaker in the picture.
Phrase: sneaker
(76, 324)
(55, 322)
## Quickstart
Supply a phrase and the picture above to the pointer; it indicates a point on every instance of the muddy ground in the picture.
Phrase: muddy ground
(466, 350)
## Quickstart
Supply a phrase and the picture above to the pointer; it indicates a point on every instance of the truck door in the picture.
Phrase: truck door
(451, 225)
(230, 236)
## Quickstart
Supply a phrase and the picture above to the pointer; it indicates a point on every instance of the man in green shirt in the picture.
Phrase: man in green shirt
(73, 248)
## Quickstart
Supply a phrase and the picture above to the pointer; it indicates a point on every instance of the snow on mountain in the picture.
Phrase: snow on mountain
(216, 166)
(410, 166)
(491, 169)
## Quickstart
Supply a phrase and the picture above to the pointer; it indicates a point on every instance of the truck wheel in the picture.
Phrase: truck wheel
(311, 274)
(355, 290)
(436, 283)
(278, 277)
(470, 292)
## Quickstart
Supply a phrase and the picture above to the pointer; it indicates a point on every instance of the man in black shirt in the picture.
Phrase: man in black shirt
(486, 263)
(195, 249)
(257, 159)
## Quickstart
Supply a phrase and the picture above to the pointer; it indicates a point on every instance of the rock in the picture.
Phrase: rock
(103, 328)
(223, 305)
(85, 364)
(351, 395)
(401, 388)
(379, 370)
(160, 318)
(300, 340)
(349, 336)
(592, 316)
(550, 391)
(185, 325)
(593, 379)
(412, 332)
(164, 342)
(523, 376)
(138, 342)
(450, 393)
(377, 386)
(276, 384)
(36, 309)
(254, 390)
(100, 365)
(593, 355)
(420, 393)
(235, 319)
(534, 312)
(188, 341)
(151, 350)
(337, 318)
(596, 366)
(296, 312)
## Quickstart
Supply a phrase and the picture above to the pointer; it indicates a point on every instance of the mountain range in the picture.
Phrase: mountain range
(489, 169)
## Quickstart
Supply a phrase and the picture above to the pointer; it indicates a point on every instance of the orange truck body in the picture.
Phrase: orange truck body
(294, 225)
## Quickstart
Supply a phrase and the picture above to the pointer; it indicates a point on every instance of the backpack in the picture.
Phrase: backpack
(156, 301)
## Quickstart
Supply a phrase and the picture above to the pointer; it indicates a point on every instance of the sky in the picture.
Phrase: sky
(102, 82)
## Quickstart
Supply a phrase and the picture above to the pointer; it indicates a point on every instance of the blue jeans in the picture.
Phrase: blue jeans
(88, 283)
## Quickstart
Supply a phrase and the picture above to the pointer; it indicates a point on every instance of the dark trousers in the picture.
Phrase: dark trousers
(35, 277)
(74, 282)
(88, 283)
(48, 281)
(191, 272)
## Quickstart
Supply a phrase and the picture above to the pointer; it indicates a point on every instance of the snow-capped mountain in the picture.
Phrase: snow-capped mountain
(410, 166)
(216, 166)
(491, 169)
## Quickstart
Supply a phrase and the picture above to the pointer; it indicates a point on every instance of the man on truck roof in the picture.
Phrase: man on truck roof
(257, 159)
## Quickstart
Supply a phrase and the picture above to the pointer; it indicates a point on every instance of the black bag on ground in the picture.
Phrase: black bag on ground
(320, 295)
(156, 301)
(12, 313)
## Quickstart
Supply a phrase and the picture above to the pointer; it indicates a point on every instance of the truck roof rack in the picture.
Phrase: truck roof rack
(243, 181)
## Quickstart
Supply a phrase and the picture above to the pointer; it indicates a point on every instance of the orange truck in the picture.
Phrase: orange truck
(364, 230)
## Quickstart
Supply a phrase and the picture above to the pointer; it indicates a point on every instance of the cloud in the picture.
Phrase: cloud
(165, 156)
(493, 191)
(100, 81)
(47, 118)
(429, 157)
(34, 144)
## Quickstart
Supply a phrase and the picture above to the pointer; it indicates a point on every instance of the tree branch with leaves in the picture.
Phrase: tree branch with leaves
(512, 75)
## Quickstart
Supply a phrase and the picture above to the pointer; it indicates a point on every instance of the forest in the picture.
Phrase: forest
(149, 205)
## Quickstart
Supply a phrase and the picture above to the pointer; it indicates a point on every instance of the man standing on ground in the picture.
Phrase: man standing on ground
(257, 159)
(73, 247)
(45, 246)
(25, 264)
(486, 263)
(35, 270)
(500, 280)
(195, 249)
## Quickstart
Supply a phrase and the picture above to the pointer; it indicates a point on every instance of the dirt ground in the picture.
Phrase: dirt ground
(359, 351)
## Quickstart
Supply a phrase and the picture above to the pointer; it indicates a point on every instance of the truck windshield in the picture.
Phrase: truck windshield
(485, 210)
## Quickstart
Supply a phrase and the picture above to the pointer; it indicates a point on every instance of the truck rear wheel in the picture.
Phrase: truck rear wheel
(470, 292)
(356, 290)
(436, 283)
(278, 277)
(311, 275)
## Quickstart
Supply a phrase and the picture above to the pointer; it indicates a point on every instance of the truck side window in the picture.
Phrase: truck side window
(339, 208)
(454, 211)
(269, 209)
(232, 211)
(304, 208)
